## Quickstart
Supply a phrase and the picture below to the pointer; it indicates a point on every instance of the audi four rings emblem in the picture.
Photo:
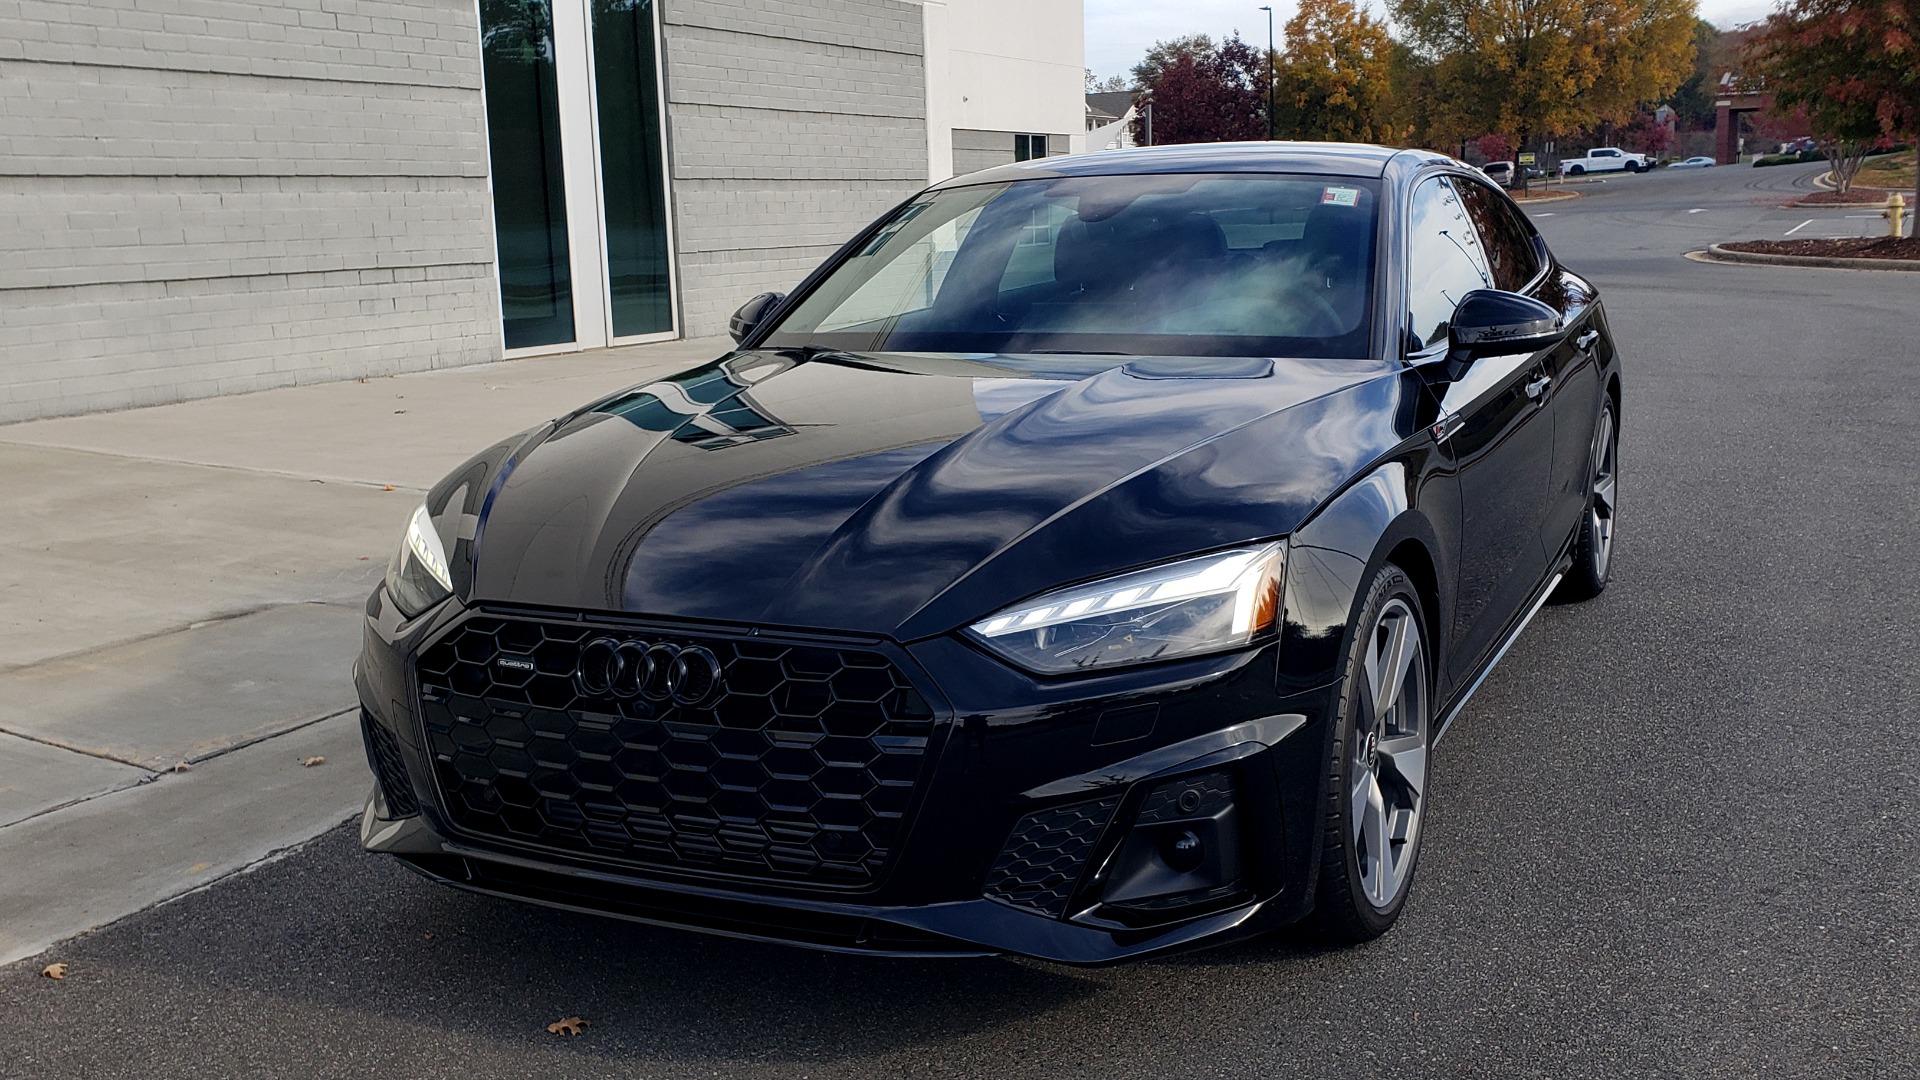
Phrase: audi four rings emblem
(657, 671)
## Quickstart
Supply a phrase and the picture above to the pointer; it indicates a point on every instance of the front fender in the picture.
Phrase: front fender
(1400, 504)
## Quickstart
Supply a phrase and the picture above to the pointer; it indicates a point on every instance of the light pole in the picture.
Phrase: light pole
(1269, 10)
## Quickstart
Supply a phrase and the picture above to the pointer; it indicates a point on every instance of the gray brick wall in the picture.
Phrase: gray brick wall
(792, 125)
(974, 150)
(210, 196)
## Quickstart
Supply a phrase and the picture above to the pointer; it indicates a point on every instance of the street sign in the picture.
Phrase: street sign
(1526, 159)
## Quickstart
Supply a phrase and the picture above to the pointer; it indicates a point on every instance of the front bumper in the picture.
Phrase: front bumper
(1081, 821)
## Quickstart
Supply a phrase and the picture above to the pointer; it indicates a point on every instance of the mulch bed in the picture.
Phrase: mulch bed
(1859, 196)
(1854, 247)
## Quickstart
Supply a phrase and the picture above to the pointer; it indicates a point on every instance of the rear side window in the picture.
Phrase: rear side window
(1444, 261)
(1506, 240)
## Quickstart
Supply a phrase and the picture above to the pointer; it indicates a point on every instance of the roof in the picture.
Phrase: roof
(1321, 159)
(1114, 103)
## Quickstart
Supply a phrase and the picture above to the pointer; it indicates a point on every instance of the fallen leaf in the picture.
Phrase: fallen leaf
(185, 766)
(59, 971)
(572, 1025)
(389, 487)
(398, 412)
(428, 936)
(363, 558)
(312, 761)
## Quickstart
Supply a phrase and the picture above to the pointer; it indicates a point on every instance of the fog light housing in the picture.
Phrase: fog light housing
(1182, 854)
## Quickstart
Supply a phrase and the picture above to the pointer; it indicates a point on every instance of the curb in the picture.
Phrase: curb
(1797, 205)
(1559, 196)
(1716, 253)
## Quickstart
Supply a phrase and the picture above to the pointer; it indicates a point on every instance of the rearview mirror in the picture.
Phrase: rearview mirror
(751, 313)
(1489, 322)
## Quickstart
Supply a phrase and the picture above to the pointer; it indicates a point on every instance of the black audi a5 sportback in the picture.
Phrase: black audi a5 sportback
(1083, 562)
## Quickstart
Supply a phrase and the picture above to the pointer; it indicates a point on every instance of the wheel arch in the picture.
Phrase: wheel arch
(1333, 556)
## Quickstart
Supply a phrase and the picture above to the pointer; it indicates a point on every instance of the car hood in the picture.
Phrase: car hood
(904, 495)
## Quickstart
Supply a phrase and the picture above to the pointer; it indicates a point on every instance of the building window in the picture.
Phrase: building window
(581, 261)
(1028, 147)
(632, 169)
(529, 187)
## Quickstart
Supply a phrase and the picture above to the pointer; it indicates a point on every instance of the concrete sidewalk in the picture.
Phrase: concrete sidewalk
(179, 611)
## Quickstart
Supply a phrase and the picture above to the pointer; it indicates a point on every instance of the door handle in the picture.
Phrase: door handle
(1585, 341)
(1538, 387)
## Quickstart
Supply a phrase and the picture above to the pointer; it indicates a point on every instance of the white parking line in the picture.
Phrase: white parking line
(1800, 226)
(1547, 214)
(1701, 211)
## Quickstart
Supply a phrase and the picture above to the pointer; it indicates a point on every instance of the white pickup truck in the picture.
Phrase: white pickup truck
(1605, 159)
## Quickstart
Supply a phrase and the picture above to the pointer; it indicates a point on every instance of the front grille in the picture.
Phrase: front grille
(1043, 859)
(799, 764)
(383, 754)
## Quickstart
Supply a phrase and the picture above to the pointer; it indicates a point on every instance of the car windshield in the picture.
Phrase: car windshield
(1167, 265)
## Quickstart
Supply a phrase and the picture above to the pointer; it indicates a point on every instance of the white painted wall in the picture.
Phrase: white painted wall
(1003, 65)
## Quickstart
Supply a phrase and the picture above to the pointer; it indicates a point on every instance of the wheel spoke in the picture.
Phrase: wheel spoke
(1376, 841)
(1390, 671)
(1603, 488)
(1406, 755)
(1364, 785)
(1374, 709)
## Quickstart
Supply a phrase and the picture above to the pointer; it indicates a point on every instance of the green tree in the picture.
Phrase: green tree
(1541, 67)
(1331, 81)
(1694, 97)
(1853, 65)
(1164, 53)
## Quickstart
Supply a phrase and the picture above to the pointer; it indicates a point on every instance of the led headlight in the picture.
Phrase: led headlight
(1208, 604)
(418, 577)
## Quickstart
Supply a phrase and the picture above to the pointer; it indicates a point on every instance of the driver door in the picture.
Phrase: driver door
(1493, 429)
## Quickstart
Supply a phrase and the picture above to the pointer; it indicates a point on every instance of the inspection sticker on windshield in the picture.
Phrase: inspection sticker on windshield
(1340, 196)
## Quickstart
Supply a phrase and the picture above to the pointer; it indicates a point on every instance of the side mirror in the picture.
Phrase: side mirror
(748, 317)
(1488, 322)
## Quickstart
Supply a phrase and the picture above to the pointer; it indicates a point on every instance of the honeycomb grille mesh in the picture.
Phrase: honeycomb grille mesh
(799, 765)
(1043, 859)
(383, 754)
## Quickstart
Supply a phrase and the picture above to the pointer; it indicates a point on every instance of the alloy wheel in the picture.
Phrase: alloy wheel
(1388, 767)
(1605, 489)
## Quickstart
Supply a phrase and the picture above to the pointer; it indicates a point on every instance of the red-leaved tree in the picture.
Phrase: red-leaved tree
(1853, 65)
(1648, 135)
(1207, 94)
(1494, 147)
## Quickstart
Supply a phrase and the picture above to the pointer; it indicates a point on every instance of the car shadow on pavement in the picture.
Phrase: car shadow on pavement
(333, 933)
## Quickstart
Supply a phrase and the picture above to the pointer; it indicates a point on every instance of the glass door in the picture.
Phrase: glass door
(633, 188)
(529, 184)
(574, 107)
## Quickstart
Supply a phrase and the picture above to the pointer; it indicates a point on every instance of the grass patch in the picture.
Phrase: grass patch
(1894, 171)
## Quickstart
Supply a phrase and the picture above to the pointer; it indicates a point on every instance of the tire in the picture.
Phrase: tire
(1377, 775)
(1633, 166)
(1593, 539)
(1577, 170)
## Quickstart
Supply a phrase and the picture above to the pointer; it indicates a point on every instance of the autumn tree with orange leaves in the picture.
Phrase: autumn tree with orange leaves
(1331, 80)
(1853, 65)
(1533, 68)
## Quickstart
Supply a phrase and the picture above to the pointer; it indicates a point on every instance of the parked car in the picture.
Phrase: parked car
(1500, 172)
(1605, 159)
(1081, 563)
(1693, 163)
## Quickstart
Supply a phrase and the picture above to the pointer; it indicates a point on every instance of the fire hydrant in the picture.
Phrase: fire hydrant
(1895, 211)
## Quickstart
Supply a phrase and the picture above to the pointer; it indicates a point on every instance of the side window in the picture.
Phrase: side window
(1506, 239)
(1444, 261)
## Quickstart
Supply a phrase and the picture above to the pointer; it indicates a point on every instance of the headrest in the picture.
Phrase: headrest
(1337, 231)
(1086, 252)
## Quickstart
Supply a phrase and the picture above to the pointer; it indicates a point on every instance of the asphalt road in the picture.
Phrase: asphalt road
(1673, 836)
